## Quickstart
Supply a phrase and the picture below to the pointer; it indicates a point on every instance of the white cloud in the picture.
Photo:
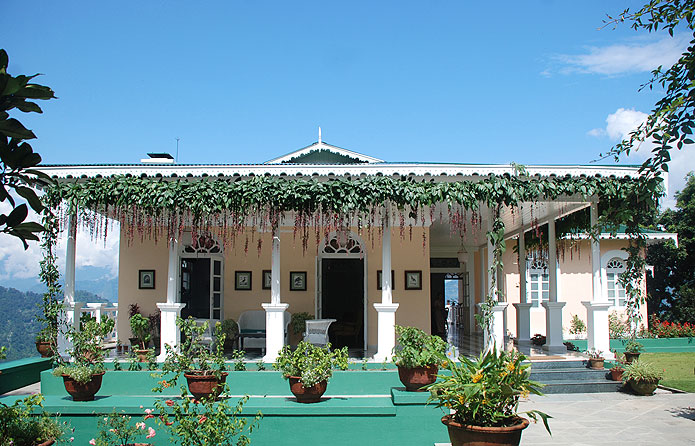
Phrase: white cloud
(623, 121)
(625, 58)
(17, 263)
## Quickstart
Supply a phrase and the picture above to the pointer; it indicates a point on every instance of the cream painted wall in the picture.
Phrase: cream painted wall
(131, 259)
(406, 255)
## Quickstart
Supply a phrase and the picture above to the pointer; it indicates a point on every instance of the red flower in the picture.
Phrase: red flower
(149, 416)
(169, 403)
(202, 419)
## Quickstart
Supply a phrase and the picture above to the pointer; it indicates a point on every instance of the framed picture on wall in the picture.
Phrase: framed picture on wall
(242, 280)
(378, 280)
(413, 280)
(297, 280)
(146, 279)
(267, 279)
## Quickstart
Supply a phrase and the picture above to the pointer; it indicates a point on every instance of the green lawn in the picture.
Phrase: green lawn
(680, 368)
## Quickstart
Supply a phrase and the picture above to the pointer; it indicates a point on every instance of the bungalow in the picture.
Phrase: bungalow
(313, 230)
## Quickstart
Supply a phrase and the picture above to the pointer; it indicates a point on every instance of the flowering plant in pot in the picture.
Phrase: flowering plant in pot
(202, 365)
(82, 374)
(20, 425)
(633, 350)
(309, 368)
(206, 422)
(119, 430)
(418, 356)
(140, 327)
(481, 398)
(596, 359)
(642, 377)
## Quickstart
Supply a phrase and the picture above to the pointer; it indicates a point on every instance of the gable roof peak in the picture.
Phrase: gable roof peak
(323, 153)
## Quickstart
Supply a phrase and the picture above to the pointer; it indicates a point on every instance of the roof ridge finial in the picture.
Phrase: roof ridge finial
(319, 134)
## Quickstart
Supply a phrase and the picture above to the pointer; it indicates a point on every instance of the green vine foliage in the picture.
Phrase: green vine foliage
(161, 209)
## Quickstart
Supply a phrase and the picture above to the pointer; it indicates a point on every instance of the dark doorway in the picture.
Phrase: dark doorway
(437, 308)
(342, 298)
(195, 288)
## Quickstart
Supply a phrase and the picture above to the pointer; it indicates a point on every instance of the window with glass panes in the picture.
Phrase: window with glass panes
(539, 283)
(615, 290)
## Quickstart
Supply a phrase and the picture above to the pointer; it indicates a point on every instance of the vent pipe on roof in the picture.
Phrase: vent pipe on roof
(158, 158)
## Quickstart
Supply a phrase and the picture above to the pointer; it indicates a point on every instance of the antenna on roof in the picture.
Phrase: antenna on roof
(319, 134)
(177, 149)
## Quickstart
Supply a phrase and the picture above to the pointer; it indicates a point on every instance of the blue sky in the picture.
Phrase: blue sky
(241, 82)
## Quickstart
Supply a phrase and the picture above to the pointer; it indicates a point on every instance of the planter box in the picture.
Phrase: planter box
(651, 345)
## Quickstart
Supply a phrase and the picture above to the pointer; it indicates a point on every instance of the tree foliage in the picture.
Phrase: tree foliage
(17, 158)
(671, 290)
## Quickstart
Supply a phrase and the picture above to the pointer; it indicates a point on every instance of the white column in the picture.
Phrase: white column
(275, 310)
(496, 337)
(598, 336)
(70, 316)
(470, 269)
(553, 308)
(170, 334)
(523, 308)
(172, 272)
(386, 310)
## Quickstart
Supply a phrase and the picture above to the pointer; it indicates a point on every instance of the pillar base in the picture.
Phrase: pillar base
(597, 334)
(498, 328)
(386, 331)
(523, 323)
(169, 333)
(553, 327)
(274, 330)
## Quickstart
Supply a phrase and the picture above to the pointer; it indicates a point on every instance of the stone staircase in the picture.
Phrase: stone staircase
(571, 376)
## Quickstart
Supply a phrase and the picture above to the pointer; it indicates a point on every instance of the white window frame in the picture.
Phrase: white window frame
(605, 259)
(537, 266)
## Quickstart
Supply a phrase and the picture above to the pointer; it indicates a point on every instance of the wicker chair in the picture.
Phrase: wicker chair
(317, 331)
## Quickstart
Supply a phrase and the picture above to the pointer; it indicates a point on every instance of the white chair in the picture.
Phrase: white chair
(316, 331)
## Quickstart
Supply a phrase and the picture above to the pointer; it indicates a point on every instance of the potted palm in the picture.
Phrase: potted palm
(140, 327)
(642, 377)
(82, 375)
(309, 368)
(231, 333)
(633, 350)
(418, 356)
(481, 398)
(201, 364)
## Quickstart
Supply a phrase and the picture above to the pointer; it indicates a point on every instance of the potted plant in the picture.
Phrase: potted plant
(155, 328)
(417, 356)
(118, 429)
(82, 375)
(617, 372)
(297, 326)
(231, 333)
(202, 365)
(642, 377)
(19, 425)
(133, 309)
(481, 398)
(632, 350)
(140, 327)
(309, 368)
(206, 422)
(596, 359)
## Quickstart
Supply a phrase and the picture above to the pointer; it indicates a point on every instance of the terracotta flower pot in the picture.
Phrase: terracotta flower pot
(643, 387)
(596, 364)
(417, 377)
(307, 394)
(83, 392)
(461, 434)
(46, 443)
(629, 357)
(142, 354)
(44, 349)
(203, 386)
(617, 375)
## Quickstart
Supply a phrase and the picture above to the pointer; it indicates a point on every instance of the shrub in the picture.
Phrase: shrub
(577, 325)
(642, 371)
(298, 320)
(617, 328)
(310, 363)
(415, 348)
(140, 327)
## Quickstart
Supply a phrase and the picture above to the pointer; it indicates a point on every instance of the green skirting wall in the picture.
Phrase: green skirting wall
(359, 407)
(21, 372)
(651, 345)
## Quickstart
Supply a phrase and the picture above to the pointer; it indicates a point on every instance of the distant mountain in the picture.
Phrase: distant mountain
(18, 319)
(95, 280)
